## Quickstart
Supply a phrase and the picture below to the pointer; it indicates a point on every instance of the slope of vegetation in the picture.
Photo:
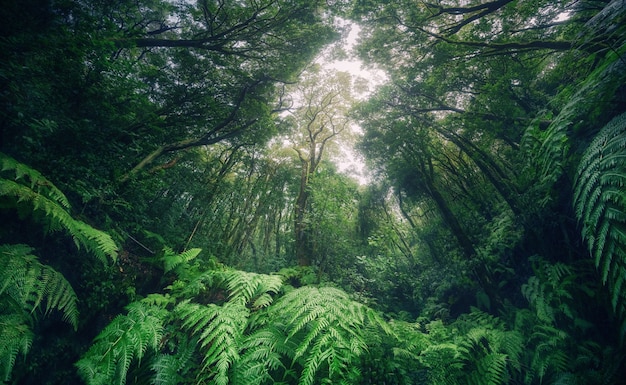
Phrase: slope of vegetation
(169, 213)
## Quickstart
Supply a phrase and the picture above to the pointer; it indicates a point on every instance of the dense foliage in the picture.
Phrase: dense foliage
(170, 213)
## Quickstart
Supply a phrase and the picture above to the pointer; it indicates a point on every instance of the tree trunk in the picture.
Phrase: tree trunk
(450, 219)
(302, 237)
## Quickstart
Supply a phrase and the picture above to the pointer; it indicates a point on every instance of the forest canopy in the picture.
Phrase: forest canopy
(170, 211)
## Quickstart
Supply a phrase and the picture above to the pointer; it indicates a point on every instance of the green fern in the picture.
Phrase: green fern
(128, 337)
(251, 288)
(172, 260)
(550, 291)
(549, 353)
(30, 283)
(491, 354)
(444, 363)
(485, 363)
(600, 205)
(328, 329)
(171, 368)
(219, 330)
(544, 154)
(30, 192)
(15, 337)
(32, 178)
(534, 292)
(491, 370)
(225, 327)
(309, 336)
(27, 286)
(262, 357)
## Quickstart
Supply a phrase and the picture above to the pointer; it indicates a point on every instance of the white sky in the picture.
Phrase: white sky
(349, 162)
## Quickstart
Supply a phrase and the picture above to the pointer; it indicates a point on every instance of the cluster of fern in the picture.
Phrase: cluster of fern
(28, 288)
(228, 326)
(548, 342)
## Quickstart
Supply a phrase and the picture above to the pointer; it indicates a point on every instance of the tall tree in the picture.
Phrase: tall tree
(472, 95)
(140, 83)
(225, 55)
(320, 117)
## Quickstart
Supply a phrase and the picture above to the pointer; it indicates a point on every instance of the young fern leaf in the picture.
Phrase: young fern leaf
(600, 205)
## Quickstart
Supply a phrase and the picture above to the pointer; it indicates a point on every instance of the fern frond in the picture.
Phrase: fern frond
(477, 317)
(600, 205)
(158, 300)
(56, 214)
(166, 369)
(97, 242)
(29, 283)
(34, 179)
(548, 351)
(443, 361)
(172, 260)
(126, 338)
(219, 330)
(490, 353)
(189, 287)
(553, 291)
(486, 356)
(15, 337)
(327, 328)
(544, 154)
(169, 369)
(251, 288)
(264, 354)
(512, 344)
(534, 292)
(490, 370)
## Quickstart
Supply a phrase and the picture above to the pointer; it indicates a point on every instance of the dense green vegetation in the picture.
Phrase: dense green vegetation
(169, 211)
